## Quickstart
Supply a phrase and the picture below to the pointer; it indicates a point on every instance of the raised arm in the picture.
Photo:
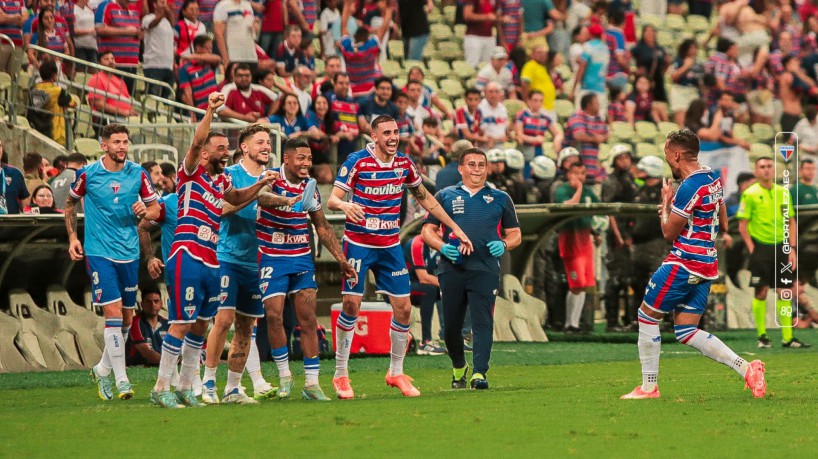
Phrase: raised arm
(194, 154)
(387, 21)
(428, 202)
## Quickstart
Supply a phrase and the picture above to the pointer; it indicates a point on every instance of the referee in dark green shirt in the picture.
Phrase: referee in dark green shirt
(489, 219)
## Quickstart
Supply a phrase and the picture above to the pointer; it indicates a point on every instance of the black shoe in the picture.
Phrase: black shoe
(571, 330)
(764, 342)
(795, 344)
(614, 329)
(479, 382)
(460, 383)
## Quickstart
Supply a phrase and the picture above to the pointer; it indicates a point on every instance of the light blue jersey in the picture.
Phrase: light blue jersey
(168, 216)
(597, 56)
(237, 236)
(110, 223)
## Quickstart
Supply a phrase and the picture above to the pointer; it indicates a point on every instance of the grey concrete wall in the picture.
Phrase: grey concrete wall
(18, 140)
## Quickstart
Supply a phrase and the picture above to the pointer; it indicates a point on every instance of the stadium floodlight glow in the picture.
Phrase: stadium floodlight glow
(786, 158)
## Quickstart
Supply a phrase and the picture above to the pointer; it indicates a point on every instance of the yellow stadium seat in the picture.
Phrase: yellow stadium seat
(675, 22)
(645, 131)
(646, 149)
(391, 68)
(463, 71)
(758, 150)
(439, 69)
(513, 106)
(763, 132)
(564, 108)
(451, 88)
(622, 131)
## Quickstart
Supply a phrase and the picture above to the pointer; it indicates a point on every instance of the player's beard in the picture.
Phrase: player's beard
(114, 156)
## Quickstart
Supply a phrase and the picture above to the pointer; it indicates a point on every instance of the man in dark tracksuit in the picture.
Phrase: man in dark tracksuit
(470, 280)
(618, 187)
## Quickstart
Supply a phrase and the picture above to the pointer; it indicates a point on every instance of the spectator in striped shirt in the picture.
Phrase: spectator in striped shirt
(14, 16)
(531, 124)
(496, 70)
(119, 31)
(48, 37)
(467, 118)
(288, 55)
(32, 24)
(303, 13)
(619, 66)
(511, 23)
(585, 131)
(723, 66)
(406, 126)
(362, 54)
(616, 107)
(197, 74)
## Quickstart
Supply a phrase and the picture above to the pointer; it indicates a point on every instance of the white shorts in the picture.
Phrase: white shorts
(478, 49)
(681, 97)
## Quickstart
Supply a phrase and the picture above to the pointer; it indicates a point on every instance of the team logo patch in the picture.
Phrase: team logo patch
(98, 294)
(343, 171)
(399, 172)
(190, 309)
(573, 275)
(786, 151)
(222, 297)
(488, 199)
(263, 287)
(115, 187)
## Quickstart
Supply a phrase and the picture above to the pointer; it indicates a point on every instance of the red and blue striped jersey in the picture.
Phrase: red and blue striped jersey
(698, 199)
(465, 121)
(362, 64)
(512, 29)
(309, 9)
(282, 231)
(201, 78)
(534, 124)
(54, 42)
(616, 112)
(206, 8)
(201, 198)
(615, 39)
(345, 110)
(378, 188)
(125, 48)
(13, 31)
(581, 122)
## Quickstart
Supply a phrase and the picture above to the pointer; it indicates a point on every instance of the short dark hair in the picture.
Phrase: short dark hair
(213, 135)
(686, 140)
(380, 119)
(201, 40)
(616, 15)
(168, 169)
(614, 92)
(252, 129)
(338, 75)
(149, 288)
(105, 53)
(242, 66)
(472, 91)
(417, 82)
(295, 144)
(382, 79)
(112, 129)
(762, 158)
(744, 177)
(291, 28)
(431, 122)
(400, 95)
(586, 100)
(533, 92)
(786, 60)
(59, 161)
(77, 158)
(806, 161)
(148, 165)
(471, 151)
(48, 69)
(724, 44)
(32, 161)
(575, 165)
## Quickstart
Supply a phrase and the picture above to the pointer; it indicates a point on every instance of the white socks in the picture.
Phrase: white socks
(710, 346)
(574, 303)
(344, 332)
(115, 349)
(171, 347)
(191, 354)
(650, 345)
(399, 335)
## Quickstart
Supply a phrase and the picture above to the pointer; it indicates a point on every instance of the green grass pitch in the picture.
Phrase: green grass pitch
(546, 400)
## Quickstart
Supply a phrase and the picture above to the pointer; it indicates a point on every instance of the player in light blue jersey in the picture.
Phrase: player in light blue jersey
(118, 193)
(240, 298)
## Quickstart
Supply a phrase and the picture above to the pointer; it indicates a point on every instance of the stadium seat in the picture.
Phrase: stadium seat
(758, 150)
(649, 19)
(675, 22)
(439, 69)
(451, 88)
(604, 150)
(399, 82)
(530, 311)
(88, 147)
(622, 131)
(461, 102)
(407, 64)
(319, 67)
(391, 68)
(646, 131)
(463, 71)
(513, 106)
(432, 84)
(155, 152)
(646, 149)
(697, 24)
(82, 323)
(440, 33)
(449, 51)
(666, 38)
(15, 356)
(22, 122)
(742, 131)
(449, 13)
(763, 132)
(564, 108)
(395, 49)
(665, 128)
(53, 347)
(548, 150)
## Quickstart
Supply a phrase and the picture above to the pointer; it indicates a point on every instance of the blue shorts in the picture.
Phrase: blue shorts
(239, 290)
(388, 265)
(113, 281)
(194, 289)
(672, 287)
(285, 276)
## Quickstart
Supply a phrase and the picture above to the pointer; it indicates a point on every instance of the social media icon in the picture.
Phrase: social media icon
(786, 294)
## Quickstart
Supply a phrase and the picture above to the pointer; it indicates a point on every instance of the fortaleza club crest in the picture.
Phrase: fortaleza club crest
(263, 287)
(488, 199)
(398, 172)
(190, 309)
(222, 297)
(786, 151)
(115, 187)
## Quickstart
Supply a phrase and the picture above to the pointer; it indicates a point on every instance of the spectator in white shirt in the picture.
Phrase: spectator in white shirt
(234, 26)
(85, 35)
(496, 71)
(158, 56)
(494, 116)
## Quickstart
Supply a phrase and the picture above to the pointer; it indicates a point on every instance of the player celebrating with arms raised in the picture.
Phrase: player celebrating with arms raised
(377, 176)
(194, 268)
(691, 220)
(286, 266)
(116, 190)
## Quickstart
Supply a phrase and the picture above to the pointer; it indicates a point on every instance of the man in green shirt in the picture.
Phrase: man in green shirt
(806, 194)
(767, 227)
(577, 246)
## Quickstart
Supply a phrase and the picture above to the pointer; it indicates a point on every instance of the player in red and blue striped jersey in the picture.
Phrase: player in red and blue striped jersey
(115, 191)
(691, 220)
(286, 267)
(377, 177)
(194, 268)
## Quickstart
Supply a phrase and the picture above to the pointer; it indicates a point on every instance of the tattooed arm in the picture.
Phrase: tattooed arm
(74, 244)
(428, 202)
